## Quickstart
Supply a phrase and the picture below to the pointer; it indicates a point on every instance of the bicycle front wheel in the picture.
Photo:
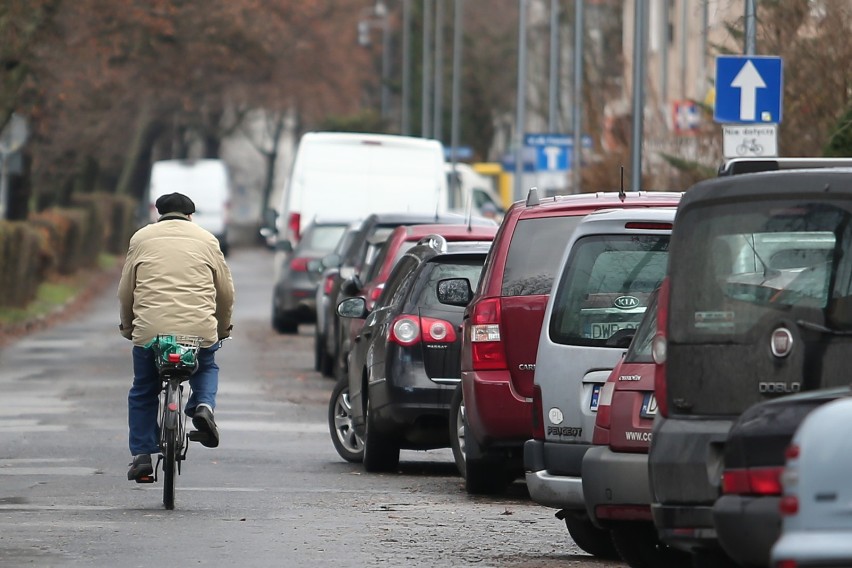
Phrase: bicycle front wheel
(170, 448)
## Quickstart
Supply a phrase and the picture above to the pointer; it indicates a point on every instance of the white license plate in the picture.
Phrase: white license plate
(649, 406)
(607, 330)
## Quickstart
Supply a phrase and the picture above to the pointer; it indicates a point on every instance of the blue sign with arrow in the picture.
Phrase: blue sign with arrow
(749, 89)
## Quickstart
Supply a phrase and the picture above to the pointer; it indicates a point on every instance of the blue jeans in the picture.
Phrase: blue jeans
(143, 399)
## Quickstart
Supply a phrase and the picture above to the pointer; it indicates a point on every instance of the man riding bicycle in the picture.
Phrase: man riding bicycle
(174, 280)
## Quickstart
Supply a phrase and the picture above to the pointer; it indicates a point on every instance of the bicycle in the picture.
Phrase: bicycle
(176, 357)
(749, 145)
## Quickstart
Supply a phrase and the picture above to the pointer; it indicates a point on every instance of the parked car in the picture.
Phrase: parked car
(817, 496)
(747, 516)
(615, 468)
(493, 408)
(294, 291)
(753, 309)
(404, 364)
(614, 261)
(357, 261)
(326, 269)
(400, 240)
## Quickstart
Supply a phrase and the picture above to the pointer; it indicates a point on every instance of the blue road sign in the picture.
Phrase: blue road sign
(553, 151)
(749, 89)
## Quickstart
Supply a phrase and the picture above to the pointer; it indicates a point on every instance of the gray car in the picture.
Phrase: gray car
(294, 293)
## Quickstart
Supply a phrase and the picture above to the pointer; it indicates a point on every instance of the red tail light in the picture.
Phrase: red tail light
(293, 224)
(299, 264)
(792, 452)
(376, 292)
(437, 331)
(486, 344)
(328, 285)
(659, 350)
(752, 481)
(648, 226)
(174, 357)
(603, 420)
(537, 414)
(789, 505)
(407, 330)
(786, 564)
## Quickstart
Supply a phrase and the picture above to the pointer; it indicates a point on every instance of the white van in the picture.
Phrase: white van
(352, 175)
(467, 186)
(206, 182)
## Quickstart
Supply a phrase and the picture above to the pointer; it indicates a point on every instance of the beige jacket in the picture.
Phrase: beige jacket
(175, 280)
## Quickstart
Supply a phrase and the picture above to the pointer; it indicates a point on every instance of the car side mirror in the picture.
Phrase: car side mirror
(621, 338)
(315, 266)
(454, 291)
(351, 286)
(352, 308)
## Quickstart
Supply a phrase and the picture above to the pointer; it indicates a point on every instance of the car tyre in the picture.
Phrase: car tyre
(595, 541)
(322, 360)
(711, 559)
(484, 475)
(283, 324)
(381, 452)
(640, 547)
(457, 430)
(347, 442)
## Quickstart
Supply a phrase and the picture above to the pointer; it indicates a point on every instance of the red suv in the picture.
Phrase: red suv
(491, 416)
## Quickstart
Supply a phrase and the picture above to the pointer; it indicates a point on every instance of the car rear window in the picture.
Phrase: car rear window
(738, 264)
(322, 238)
(534, 253)
(606, 287)
(425, 292)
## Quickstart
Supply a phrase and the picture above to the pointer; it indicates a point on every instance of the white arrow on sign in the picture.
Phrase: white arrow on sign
(748, 81)
(552, 153)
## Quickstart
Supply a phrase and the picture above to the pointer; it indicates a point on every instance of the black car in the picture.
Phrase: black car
(357, 258)
(748, 516)
(404, 364)
(757, 305)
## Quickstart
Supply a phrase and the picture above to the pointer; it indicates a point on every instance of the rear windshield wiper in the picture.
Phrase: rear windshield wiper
(821, 328)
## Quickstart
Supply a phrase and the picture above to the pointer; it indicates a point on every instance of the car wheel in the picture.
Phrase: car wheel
(318, 349)
(590, 538)
(283, 324)
(457, 428)
(711, 559)
(483, 475)
(381, 452)
(639, 546)
(346, 441)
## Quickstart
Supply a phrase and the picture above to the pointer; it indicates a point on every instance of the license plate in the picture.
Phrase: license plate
(649, 406)
(596, 395)
(607, 330)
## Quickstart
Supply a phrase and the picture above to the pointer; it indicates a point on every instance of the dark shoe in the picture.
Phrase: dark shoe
(203, 421)
(141, 469)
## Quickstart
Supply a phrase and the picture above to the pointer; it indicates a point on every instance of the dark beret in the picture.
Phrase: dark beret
(175, 203)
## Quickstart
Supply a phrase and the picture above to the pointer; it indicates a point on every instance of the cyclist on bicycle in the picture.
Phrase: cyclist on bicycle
(174, 280)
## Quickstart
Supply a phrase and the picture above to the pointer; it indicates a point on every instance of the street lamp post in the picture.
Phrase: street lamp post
(379, 17)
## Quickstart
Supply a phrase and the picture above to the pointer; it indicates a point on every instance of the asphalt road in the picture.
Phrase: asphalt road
(275, 493)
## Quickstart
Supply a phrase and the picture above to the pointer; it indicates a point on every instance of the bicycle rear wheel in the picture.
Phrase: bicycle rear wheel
(170, 447)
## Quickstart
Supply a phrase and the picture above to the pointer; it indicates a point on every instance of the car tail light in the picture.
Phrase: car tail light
(328, 285)
(405, 330)
(752, 481)
(792, 452)
(293, 224)
(376, 292)
(487, 349)
(659, 350)
(648, 226)
(603, 420)
(537, 414)
(789, 505)
(786, 564)
(299, 264)
(437, 330)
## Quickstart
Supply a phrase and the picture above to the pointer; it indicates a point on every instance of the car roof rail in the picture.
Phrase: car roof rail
(437, 242)
(736, 166)
(532, 197)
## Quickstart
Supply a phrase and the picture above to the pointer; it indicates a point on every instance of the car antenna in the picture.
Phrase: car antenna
(532, 197)
(621, 194)
(470, 213)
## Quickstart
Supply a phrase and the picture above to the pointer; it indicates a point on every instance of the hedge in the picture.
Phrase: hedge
(23, 263)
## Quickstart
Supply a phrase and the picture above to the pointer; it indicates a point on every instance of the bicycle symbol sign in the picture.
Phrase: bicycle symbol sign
(741, 141)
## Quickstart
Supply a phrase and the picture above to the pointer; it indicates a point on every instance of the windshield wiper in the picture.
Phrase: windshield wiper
(813, 326)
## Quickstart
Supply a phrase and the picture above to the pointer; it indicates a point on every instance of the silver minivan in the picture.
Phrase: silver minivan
(612, 264)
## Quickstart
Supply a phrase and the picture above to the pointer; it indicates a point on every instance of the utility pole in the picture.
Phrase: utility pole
(405, 112)
(577, 115)
(458, 44)
(640, 18)
(520, 119)
(750, 32)
(554, 67)
(438, 112)
(426, 71)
